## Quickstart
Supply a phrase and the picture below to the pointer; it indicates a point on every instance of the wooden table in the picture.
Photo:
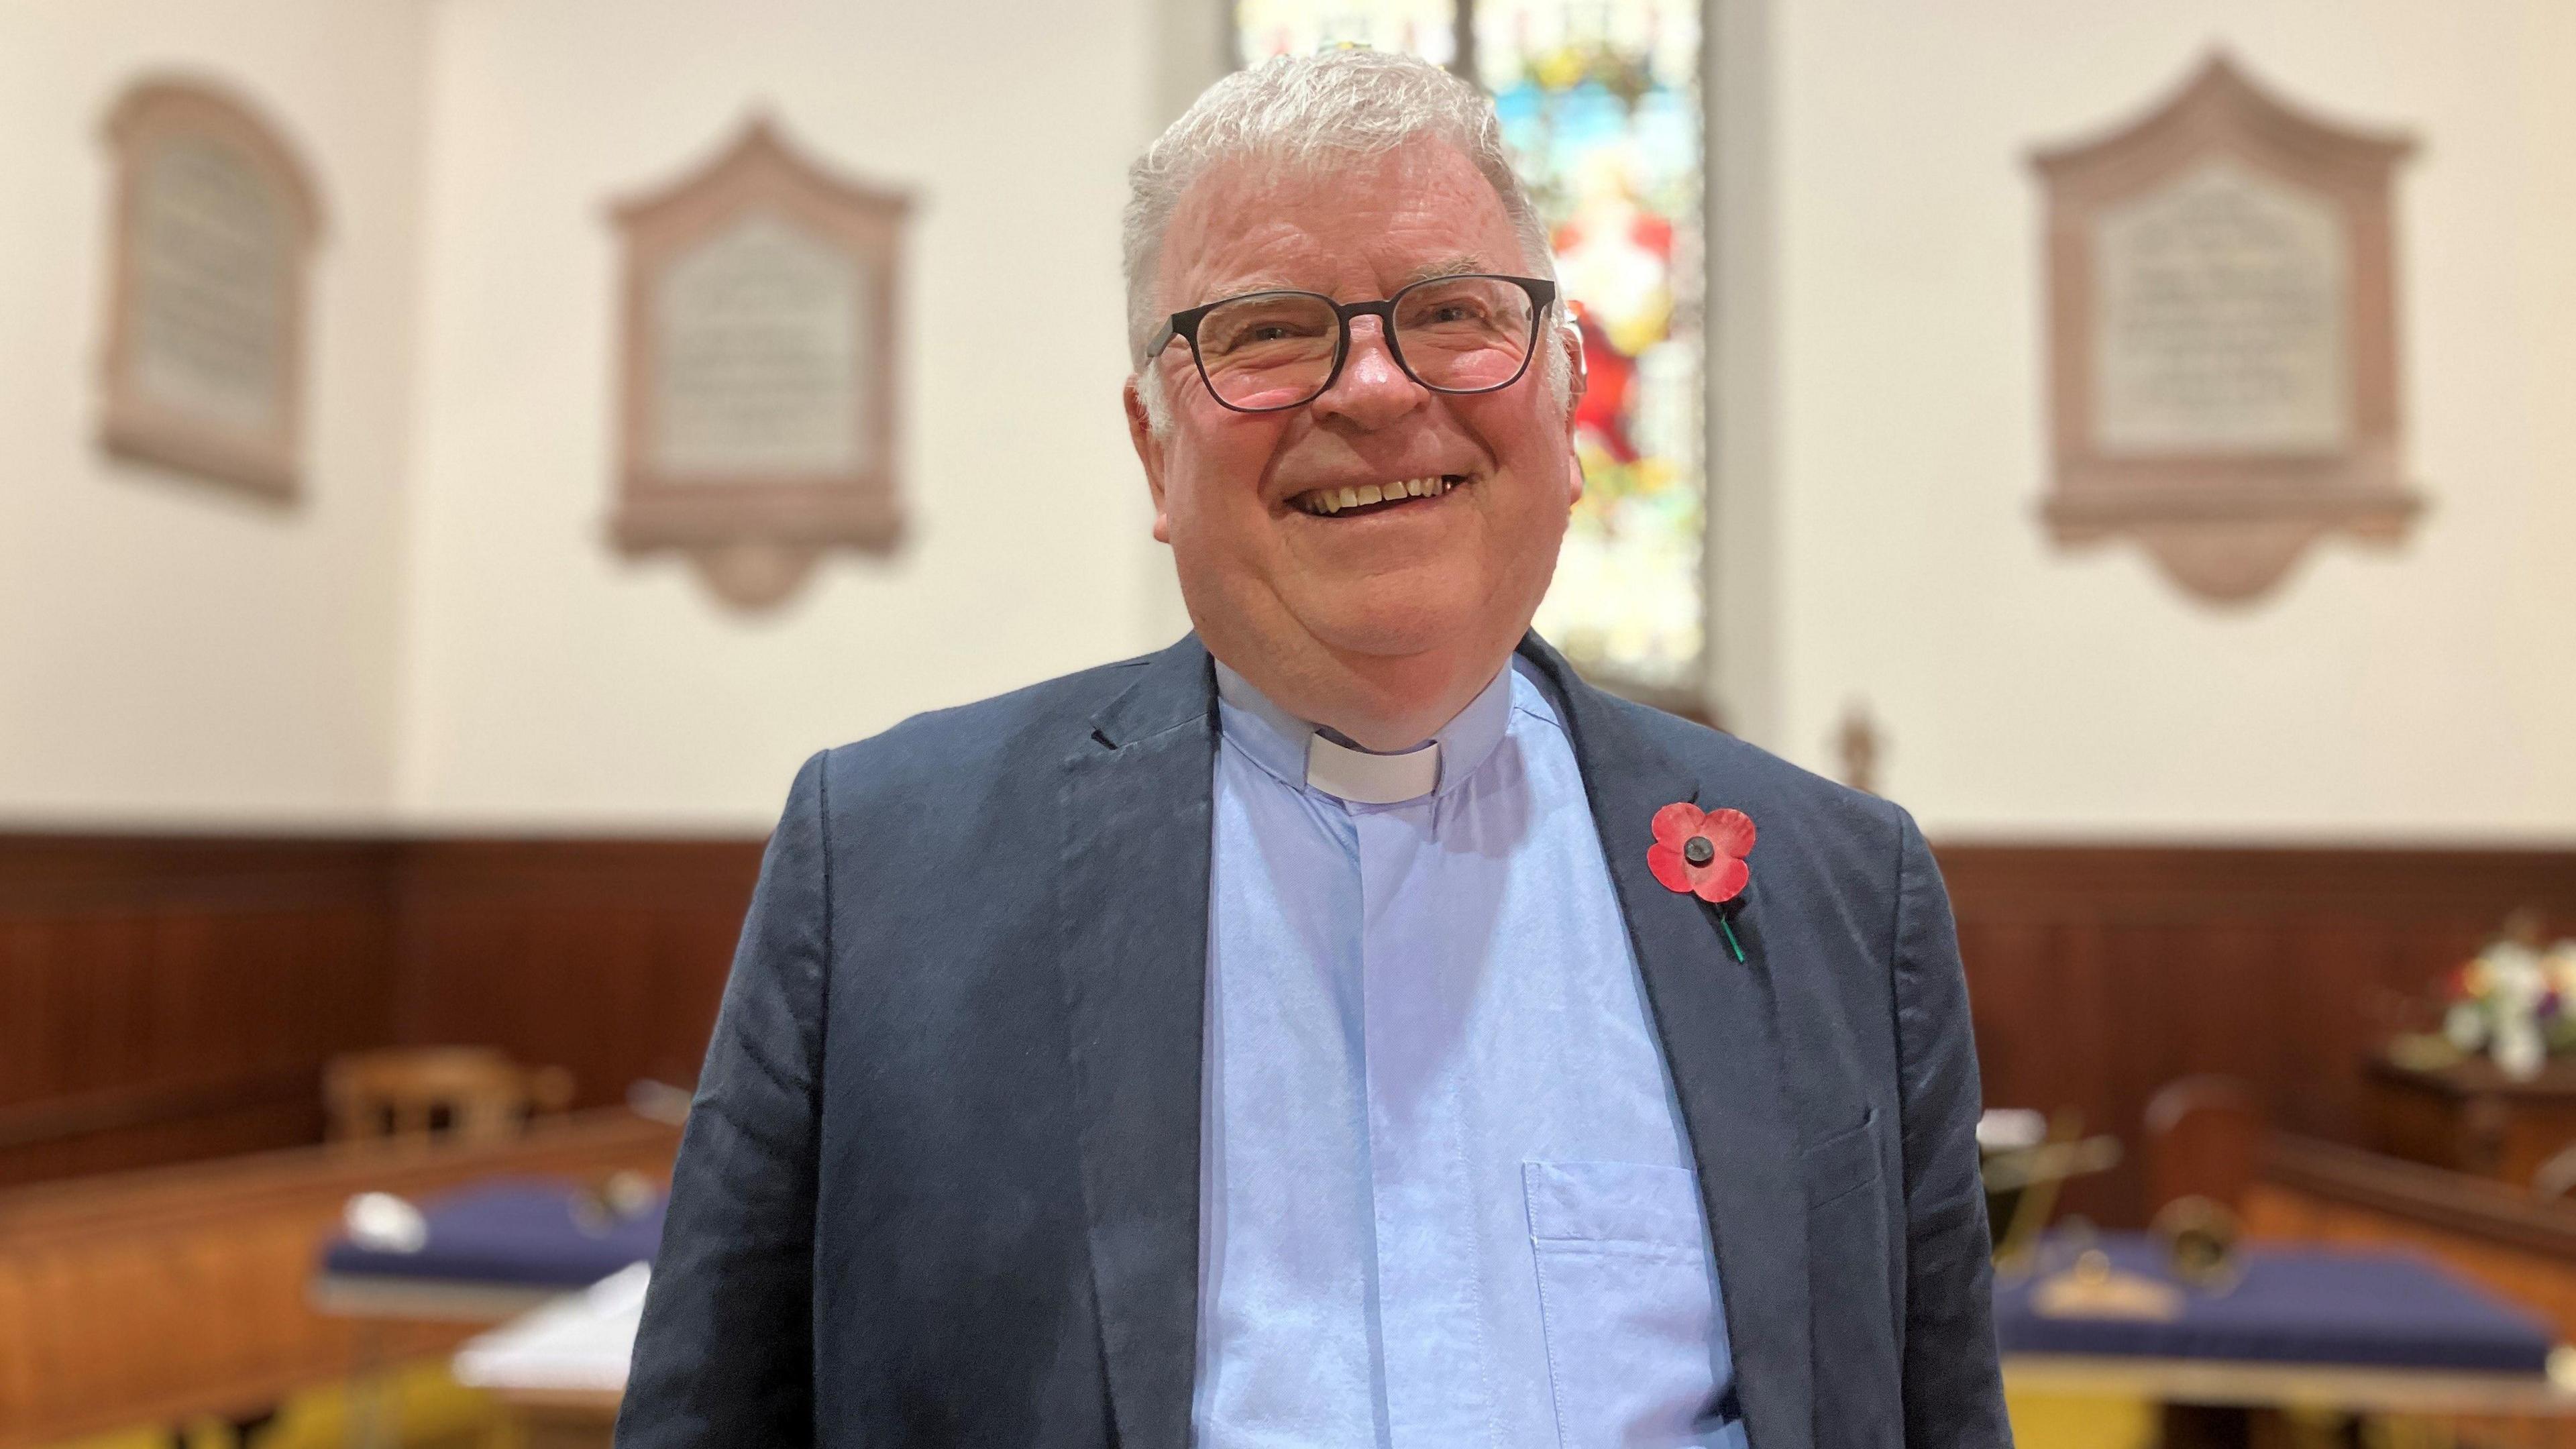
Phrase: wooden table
(2219, 1404)
(2212, 1383)
(162, 1295)
(2470, 1117)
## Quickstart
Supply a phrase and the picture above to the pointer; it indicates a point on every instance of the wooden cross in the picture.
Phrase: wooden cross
(1858, 740)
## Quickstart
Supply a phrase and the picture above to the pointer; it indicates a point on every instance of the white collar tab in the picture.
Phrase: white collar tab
(1366, 779)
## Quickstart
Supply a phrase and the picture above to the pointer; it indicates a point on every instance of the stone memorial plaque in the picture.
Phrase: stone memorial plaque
(2220, 321)
(214, 230)
(759, 387)
(2222, 337)
(760, 334)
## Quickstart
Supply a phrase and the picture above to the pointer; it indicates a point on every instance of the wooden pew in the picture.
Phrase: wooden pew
(158, 1296)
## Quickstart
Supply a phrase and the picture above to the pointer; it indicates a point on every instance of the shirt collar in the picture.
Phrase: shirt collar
(1301, 755)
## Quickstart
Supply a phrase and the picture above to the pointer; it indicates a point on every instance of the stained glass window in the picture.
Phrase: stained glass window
(1600, 102)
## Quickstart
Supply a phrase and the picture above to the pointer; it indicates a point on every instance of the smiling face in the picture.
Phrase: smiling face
(1291, 574)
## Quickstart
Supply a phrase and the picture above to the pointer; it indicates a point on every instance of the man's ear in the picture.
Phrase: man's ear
(1577, 378)
(1149, 451)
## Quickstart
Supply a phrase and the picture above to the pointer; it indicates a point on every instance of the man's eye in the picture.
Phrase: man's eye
(1263, 334)
(1459, 313)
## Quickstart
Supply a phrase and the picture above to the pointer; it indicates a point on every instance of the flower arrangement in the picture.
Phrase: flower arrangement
(2515, 1001)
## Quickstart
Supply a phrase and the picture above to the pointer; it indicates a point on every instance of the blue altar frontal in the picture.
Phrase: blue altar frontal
(2357, 1307)
(488, 1251)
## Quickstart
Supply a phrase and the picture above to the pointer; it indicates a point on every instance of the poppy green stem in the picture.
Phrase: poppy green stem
(1724, 925)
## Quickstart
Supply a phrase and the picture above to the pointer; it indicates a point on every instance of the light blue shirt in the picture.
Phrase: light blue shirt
(1446, 1198)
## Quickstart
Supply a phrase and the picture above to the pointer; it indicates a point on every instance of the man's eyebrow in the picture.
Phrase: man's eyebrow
(1265, 282)
(1457, 266)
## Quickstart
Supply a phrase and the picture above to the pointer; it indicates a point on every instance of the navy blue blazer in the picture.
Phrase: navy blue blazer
(940, 1185)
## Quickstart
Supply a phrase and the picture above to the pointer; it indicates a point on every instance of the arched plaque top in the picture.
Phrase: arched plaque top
(2222, 106)
(160, 104)
(762, 158)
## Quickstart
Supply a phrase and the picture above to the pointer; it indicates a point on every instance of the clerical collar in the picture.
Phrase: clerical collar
(1300, 753)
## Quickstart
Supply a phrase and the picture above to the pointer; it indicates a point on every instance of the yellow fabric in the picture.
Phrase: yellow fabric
(421, 1407)
(2080, 1421)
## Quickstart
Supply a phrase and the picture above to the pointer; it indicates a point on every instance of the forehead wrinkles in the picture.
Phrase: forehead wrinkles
(1301, 222)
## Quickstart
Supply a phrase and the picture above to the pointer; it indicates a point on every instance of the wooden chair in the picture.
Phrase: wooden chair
(469, 1094)
(2205, 1138)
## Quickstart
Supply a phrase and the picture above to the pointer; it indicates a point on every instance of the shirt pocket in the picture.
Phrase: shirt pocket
(1628, 1305)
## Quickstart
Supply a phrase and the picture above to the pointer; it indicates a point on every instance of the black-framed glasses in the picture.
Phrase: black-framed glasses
(1264, 352)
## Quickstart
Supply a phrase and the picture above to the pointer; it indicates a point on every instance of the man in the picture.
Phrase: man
(1345, 1027)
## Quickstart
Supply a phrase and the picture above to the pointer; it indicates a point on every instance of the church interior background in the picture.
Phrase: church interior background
(2133, 438)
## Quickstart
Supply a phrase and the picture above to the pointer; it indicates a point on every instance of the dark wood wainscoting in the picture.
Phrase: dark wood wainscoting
(607, 957)
(2098, 974)
(163, 999)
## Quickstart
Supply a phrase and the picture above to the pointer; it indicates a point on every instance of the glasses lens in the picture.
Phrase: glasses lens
(1465, 334)
(1268, 350)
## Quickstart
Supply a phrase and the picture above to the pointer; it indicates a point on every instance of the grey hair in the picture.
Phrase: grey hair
(1304, 110)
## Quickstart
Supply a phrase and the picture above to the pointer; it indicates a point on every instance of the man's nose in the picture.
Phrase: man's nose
(1372, 391)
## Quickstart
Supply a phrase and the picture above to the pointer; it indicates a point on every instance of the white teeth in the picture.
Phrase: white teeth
(1324, 502)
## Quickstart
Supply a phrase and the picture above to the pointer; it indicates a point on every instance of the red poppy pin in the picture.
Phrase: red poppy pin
(1701, 853)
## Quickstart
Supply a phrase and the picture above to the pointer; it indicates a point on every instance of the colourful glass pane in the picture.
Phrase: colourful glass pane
(1600, 101)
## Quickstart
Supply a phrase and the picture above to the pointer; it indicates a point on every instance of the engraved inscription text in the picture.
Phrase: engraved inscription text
(2220, 325)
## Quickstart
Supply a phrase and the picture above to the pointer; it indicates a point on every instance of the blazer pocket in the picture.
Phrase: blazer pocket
(1842, 1163)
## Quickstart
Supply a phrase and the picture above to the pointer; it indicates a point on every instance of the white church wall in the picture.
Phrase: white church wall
(553, 685)
(2424, 693)
(170, 653)
(440, 637)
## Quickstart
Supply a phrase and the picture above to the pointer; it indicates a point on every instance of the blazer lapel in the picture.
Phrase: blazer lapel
(1133, 900)
(1716, 1020)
